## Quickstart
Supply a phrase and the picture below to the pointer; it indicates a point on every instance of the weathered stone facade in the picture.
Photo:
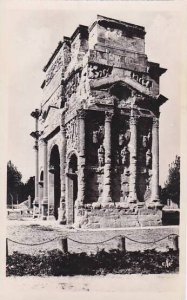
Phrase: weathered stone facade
(97, 132)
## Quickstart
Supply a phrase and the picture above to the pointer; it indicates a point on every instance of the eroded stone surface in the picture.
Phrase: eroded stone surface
(97, 130)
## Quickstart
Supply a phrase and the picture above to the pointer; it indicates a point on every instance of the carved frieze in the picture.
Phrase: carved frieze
(53, 69)
(141, 79)
(120, 59)
(98, 71)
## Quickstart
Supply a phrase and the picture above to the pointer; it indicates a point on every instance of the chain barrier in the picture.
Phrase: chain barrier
(94, 243)
(36, 244)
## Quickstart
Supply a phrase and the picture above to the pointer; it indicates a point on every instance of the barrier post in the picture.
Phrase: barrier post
(175, 242)
(63, 244)
(6, 247)
(122, 244)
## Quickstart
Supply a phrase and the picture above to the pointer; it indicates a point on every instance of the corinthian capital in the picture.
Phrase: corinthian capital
(81, 114)
(108, 116)
(155, 122)
(133, 120)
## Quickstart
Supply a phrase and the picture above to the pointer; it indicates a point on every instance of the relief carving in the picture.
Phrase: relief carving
(98, 71)
(101, 156)
(124, 138)
(148, 158)
(54, 69)
(125, 156)
(72, 85)
(146, 140)
(98, 135)
(141, 79)
(72, 134)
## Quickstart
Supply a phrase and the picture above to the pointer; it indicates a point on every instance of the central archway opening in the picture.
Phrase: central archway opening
(54, 181)
(72, 187)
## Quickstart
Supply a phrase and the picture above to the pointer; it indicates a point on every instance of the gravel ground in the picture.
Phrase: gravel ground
(34, 231)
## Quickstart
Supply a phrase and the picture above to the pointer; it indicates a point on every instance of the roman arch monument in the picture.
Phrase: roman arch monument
(97, 130)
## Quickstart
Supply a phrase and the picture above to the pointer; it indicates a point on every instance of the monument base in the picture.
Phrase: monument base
(121, 215)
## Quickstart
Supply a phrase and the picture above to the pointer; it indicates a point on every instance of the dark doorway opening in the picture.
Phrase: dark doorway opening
(55, 172)
(72, 187)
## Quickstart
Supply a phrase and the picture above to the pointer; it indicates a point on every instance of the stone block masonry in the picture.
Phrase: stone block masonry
(97, 132)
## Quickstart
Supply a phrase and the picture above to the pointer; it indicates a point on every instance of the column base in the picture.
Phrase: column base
(79, 203)
(36, 210)
(62, 215)
(132, 199)
(107, 199)
(154, 204)
(51, 218)
(44, 209)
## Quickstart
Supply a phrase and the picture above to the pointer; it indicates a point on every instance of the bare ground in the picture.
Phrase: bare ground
(34, 231)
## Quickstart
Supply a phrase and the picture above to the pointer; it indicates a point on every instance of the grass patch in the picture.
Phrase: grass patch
(55, 263)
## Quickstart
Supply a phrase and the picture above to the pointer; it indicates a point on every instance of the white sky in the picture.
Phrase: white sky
(31, 36)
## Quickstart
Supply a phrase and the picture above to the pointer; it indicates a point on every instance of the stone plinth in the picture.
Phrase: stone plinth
(116, 217)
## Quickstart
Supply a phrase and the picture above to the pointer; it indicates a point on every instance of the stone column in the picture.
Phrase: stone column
(81, 159)
(155, 161)
(36, 200)
(62, 208)
(45, 186)
(107, 167)
(36, 205)
(133, 158)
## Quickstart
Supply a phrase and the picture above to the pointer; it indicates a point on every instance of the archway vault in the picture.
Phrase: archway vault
(72, 185)
(54, 181)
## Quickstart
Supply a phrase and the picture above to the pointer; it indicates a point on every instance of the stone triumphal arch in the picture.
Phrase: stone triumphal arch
(97, 131)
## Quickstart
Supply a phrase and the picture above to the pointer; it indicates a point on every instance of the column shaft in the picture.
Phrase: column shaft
(155, 161)
(45, 187)
(133, 159)
(81, 161)
(36, 172)
(107, 167)
(62, 209)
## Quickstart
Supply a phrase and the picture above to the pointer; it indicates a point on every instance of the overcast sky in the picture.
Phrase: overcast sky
(33, 34)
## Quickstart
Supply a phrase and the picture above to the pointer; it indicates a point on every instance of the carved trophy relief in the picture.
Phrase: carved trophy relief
(148, 158)
(72, 134)
(141, 79)
(53, 69)
(124, 138)
(98, 135)
(72, 85)
(98, 71)
(146, 140)
(101, 156)
(125, 156)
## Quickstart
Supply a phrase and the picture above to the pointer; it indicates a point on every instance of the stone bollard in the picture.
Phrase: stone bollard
(175, 242)
(63, 244)
(122, 244)
(6, 248)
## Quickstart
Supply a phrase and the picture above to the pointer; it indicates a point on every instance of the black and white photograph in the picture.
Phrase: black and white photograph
(93, 124)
